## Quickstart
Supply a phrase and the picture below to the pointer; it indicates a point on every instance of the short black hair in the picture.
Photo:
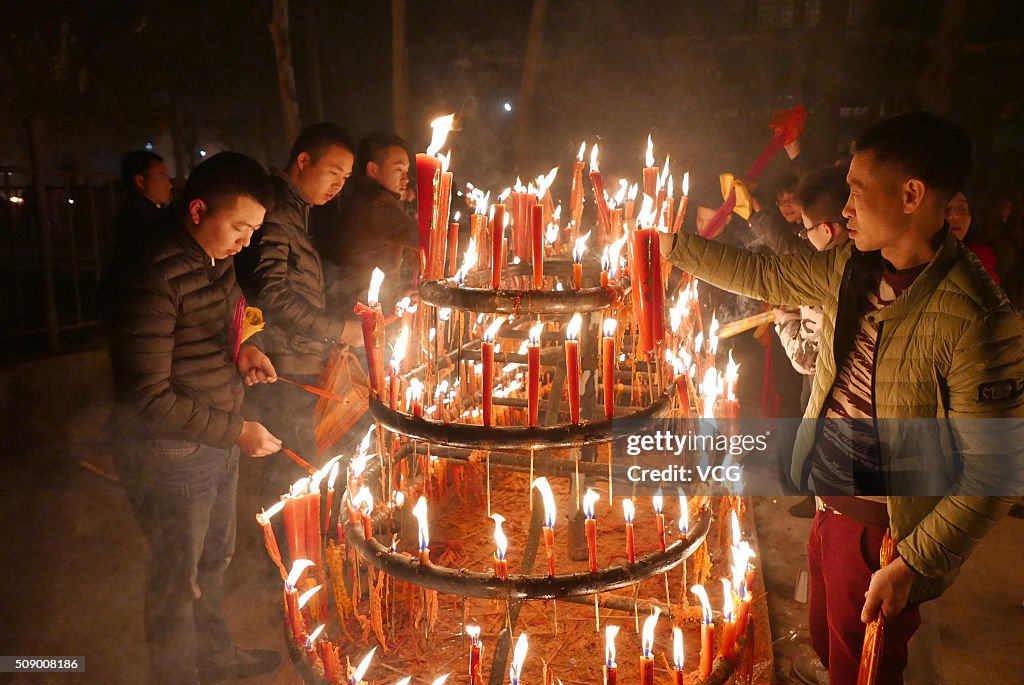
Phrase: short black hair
(226, 176)
(823, 193)
(136, 163)
(787, 184)
(316, 138)
(373, 147)
(923, 145)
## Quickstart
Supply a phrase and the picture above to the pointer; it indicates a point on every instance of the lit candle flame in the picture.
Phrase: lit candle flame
(519, 655)
(415, 391)
(735, 523)
(557, 214)
(633, 190)
(357, 675)
(308, 595)
(332, 479)
(549, 500)
(657, 500)
(628, 510)
(299, 487)
(363, 501)
(401, 345)
(609, 645)
(623, 189)
(298, 566)
(420, 512)
(678, 312)
(686, 184)
(648, 632)
(616, 249)
(544, 182)
(551, 234)
(572, 331)
(311, 640)
(711, 387)
(705, 603)
(268, 513)
(606, 260)
(441, 126)
(535, 332)
(593, 159)
(727, 607)
(468, 262)
(663, 179)
(440, 680)
(649, 157)
(609, 327)
(684, 514)
(713, 334)
(500, 539)
(492, 330)
(580, 247)
(398, 499)
(732, 375)
(671, 186)
(645, 217)
(583, 151)
(446, 161)
(677, 648)
(474, 634)
(741, 557)
(589, 499)
(358, 465)
(376, 281)
(698, 342)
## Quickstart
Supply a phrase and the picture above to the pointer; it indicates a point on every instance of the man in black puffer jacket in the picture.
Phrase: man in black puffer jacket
(281, 272)
(178, 386)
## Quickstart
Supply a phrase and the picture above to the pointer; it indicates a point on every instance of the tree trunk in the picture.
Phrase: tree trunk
(524, 106)
(285, 71)
(399, 70)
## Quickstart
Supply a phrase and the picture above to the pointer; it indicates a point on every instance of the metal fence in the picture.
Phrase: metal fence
(55, 240)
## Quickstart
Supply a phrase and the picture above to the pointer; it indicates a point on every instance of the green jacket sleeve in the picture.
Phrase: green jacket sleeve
(799, 279)
(986, 415)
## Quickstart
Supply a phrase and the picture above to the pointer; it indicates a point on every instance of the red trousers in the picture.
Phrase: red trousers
(842, 554)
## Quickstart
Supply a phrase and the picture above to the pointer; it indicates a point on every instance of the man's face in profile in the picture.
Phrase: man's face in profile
(393, 170)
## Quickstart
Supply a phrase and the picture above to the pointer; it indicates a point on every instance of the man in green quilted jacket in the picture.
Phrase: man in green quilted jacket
(916, 416)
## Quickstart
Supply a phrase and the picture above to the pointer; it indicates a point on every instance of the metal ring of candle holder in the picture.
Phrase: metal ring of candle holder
(464, 583)
(475, 436)
(519, 302)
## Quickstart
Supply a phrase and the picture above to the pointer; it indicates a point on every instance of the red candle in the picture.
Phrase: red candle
(520, 220)
(659, 519)
(603, 215)
(415, 394)
(647, 646)
(647, 265)
(707, 633)
(684, 201)
(549, 520)
(537, 244)
(579, 247)
(330, 660)
(453, 245)
(427, 167)
(420, 512)
(312, 525)
(478, 228)
(475, 653)
(487, 357)
(650, 171)
(608, 366)
(610, 667)
(295, 520)
(572, 365)
(628, 512)
(533, 373)
(576, 192)
(677, 656)
(497, 244)
(291, 598)
(591, 527)
(269, 539)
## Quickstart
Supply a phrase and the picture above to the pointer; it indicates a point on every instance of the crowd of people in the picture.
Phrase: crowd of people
(888, 308)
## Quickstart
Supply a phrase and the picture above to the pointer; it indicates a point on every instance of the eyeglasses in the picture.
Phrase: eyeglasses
(804, 231)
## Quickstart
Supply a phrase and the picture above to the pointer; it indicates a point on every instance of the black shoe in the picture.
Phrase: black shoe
(804, 509)
(246, 664)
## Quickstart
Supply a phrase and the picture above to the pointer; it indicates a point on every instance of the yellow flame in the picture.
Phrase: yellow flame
(551, 234)
(474, 634)
(686, 184)
(398, 499)
(441, 127)
(440, 680)
(664, 173)
(633, 190)
(616, 249)
(363, 501)
(677, 648)
(401, 345)
(589, 499)
(549, 500)
(420, 512)
(415, 390)
(606, 260)
(469, 259)
(583, 151)
(593, 159)
(649, 157)
(535, 332)
(299, 487)
(500, 539)
(658, 502)
(645, 217)
(308, 595)
(698, 342)
(492, 330)
(311, 640)
(333, 478)
(609, 645)
(727, 608)
(713, 334)
(705, 603)
(376, 280)
(519, 656)
(609, 327)
(357, 675)
(572, 331)
(580, 247)
(628, 510)
(711, 388)
(298, 566)
(736, 535)
(648, 632)
(267, 513)
(684, 514)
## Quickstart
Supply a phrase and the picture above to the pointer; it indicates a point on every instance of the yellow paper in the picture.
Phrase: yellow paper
(743, 204)
(252, 324)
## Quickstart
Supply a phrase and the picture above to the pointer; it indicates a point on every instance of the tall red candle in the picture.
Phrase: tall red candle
(548, 496)
(487, 357)
(576, 192)
(677, 656)
(269, 539)
(294, 525)
(497, 244)
(427, 167)
(647, 647)
(650, 171)
(521, 222)
(707, 633)
(610, 667)
(608, 366)
(453, 245)
(500, 548)
(659, 519)
(628, 512)
(537, 244)
(590, 525)
(603, 215)
(572, 365)
(475, 652)
(533, 373)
